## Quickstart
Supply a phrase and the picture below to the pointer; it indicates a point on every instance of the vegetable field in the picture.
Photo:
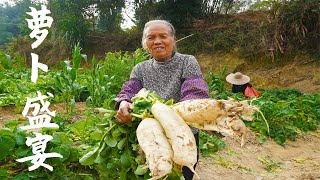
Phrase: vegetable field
(95, 146)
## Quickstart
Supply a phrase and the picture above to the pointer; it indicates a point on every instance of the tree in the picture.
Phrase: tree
(144, 11)
(210, 7)
(12, 21)
(69, 21)
(110, 14)
(179, 12)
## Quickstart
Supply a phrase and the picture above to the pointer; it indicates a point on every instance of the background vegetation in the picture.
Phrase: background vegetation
(269, 28)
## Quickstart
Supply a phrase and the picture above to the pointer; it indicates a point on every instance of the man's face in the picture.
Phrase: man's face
(159, 41)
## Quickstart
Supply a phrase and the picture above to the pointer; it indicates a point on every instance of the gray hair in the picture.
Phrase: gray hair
(167, 23)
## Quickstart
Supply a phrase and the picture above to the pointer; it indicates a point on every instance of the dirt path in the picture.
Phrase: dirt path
(298, 160)
(10, 112)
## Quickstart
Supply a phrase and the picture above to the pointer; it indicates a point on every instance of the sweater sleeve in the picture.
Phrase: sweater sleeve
(191, 67)
(193, 85)
(129, 89)
(194, 88)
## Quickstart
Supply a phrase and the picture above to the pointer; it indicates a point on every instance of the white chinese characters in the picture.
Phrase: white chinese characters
(35, 66)
(41, 115)
(39, 144)
(42, 120)
(39, 20)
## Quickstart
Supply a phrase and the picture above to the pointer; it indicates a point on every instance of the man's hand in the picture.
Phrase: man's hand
(123, 114)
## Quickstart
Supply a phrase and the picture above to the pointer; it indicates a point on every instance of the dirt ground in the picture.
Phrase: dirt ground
(298, 160)
(302, 73)
(10, 112)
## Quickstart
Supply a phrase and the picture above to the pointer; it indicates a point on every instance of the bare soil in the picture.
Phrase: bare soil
(298, 160)
(302, 72)
(8, 113)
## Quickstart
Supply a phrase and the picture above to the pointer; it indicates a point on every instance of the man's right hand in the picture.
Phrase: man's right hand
(123, 114)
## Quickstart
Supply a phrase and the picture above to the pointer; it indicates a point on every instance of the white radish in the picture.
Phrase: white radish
(217, 115)
(156, 147)
(179, 134)
(199, 110)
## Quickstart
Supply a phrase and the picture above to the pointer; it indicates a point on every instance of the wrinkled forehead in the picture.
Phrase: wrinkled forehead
(158, 28)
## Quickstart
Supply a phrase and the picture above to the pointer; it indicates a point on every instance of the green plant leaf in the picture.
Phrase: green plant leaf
(76, 56)
(7, 143)
(110, 141)
(22, 151)
(21, 176)
(121, 143)
(141, 170)
(100, 157)
(6, 132)
(73, 74)
(116, 133)
(3, 173)
(64, 150)
(105, 152)
(34, 174)
(57, 80)
(21, 138)
(90, 157)
(125, 160)
(74, 155)
(93, 61)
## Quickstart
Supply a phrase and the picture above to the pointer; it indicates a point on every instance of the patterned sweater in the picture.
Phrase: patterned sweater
(179, 78)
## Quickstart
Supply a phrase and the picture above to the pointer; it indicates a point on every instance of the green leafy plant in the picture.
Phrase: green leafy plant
(209, 144)
(66, 80)
(7, 142)
(116, 155)
(216, 83)
(107, 76)
(13, 146)
(5, 61)
(288, 112)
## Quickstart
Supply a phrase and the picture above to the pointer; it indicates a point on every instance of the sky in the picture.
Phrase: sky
(3, 1)
(129, 11)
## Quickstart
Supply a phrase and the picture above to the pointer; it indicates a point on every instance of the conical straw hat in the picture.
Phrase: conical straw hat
(237, 78)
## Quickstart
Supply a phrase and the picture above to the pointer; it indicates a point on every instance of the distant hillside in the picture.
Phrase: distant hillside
(267, 35)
